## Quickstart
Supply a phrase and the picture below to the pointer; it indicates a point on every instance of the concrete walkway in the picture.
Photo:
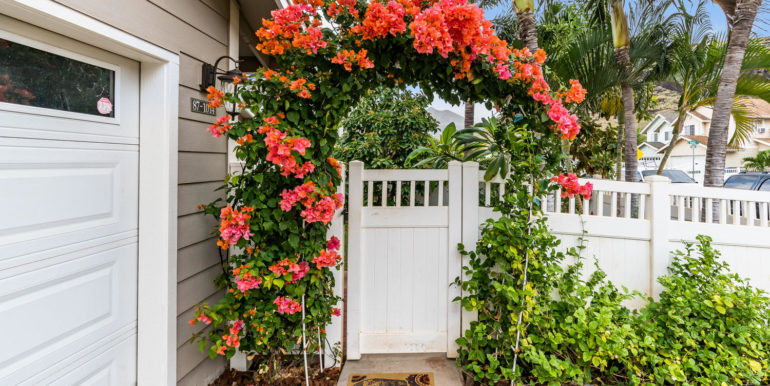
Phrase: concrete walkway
(445, 373)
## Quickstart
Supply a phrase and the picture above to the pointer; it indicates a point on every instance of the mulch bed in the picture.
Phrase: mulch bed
(294, 376)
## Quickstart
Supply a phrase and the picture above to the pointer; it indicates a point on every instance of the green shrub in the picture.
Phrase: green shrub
(709, 326)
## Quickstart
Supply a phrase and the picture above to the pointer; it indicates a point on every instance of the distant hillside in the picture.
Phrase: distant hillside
(445, 117)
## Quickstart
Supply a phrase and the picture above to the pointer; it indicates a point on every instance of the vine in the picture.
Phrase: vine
(275, 218)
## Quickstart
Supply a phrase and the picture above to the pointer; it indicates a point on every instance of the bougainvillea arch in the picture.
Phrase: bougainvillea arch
(330, 53)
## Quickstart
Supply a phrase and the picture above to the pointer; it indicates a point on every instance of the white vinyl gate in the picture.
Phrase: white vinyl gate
(402, 257)
(403, 254)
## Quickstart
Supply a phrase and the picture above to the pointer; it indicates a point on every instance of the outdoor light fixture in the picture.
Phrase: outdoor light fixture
(209, 75)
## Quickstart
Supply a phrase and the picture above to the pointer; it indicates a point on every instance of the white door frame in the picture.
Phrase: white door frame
(158, 125)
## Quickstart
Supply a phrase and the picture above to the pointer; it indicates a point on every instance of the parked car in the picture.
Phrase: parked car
(749, 181)
(675, 175)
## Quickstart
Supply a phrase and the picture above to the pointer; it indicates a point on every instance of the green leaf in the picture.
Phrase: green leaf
(292, 116)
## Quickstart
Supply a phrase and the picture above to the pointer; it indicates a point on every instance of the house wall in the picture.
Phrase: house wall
(198, 31)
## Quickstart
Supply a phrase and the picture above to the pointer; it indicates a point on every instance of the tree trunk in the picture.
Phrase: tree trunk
(470, 117)
(619, 149)
(745, 12)
(525, 13)
(630, 149)
(674, 138)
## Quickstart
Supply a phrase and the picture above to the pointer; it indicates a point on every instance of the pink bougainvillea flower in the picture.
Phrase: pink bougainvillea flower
(327, 258)
(286, 266)
(335, 311)
(234, 225)
(247, 282)
(287, 305)
(205, 319)
(571, 186)
(221, 350)
(222, 126)
(333, 244)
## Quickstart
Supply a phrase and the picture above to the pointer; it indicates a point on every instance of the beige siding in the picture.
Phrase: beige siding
(197, 30)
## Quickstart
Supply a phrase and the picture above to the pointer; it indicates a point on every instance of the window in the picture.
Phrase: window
(655, 137)
(668, 135)
(761, 130)
(689, 130)
(740, 182)
(37, 78)
(765, 186)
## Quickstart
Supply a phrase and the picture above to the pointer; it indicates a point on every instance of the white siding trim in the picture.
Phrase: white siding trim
(156, 362)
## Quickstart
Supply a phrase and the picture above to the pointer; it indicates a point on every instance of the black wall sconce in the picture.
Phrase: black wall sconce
(209, 76)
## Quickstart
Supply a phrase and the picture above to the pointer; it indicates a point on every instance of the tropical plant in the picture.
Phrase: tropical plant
(761, 162)
(385, 127)
(696, 60)
(740, 15)
(439, 151)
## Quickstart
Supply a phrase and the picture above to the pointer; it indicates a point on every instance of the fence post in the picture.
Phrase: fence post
(334, 329)
(355, 201)
(454, 265)
(660, 218)
(470, 231)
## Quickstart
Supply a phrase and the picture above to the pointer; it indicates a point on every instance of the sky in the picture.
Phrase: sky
(718, 25)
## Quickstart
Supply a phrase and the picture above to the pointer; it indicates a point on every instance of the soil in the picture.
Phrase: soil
(294, 376)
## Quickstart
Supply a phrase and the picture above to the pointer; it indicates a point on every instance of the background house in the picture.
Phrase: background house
(115, 252)
(696, 128)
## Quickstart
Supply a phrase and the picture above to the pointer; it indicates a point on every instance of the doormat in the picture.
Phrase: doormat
(419, 379)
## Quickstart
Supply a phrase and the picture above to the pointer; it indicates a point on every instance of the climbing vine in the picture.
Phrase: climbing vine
(329, 53)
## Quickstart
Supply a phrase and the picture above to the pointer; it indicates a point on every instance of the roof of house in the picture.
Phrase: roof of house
(670, 116)
(656, 145)
(761, 108)
(700, 116)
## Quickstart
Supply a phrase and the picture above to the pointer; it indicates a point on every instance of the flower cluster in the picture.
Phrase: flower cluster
(291, 27)
(233, 338)
(576, 92)
(454, 26)
(327, 258)
(286, 305)
(571, 186)
(222, 126)
(247, 281)
(286, 266)
(381, 20)
(317, 208)
(333, 243)
(339, 6)
(201, 318)
(349, 57)
(322, 209)
(280, 147)
(234, 225)
(215, 97)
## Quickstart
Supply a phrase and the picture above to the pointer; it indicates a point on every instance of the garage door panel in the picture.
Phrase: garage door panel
(60, 196)
(65, 308)
(69, 175)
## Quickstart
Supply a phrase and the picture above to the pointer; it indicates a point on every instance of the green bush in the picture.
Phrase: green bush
(709, 326)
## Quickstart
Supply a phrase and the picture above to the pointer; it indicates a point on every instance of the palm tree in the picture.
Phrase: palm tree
(617, 66)
(759, 163)
(740, 15)
(470, 115)
(525, 13)
(698, 60)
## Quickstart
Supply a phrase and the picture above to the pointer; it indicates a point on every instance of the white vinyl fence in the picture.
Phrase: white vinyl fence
(404, 227)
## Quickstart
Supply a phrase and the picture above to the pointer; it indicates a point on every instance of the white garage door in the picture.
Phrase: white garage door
(69, 148)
